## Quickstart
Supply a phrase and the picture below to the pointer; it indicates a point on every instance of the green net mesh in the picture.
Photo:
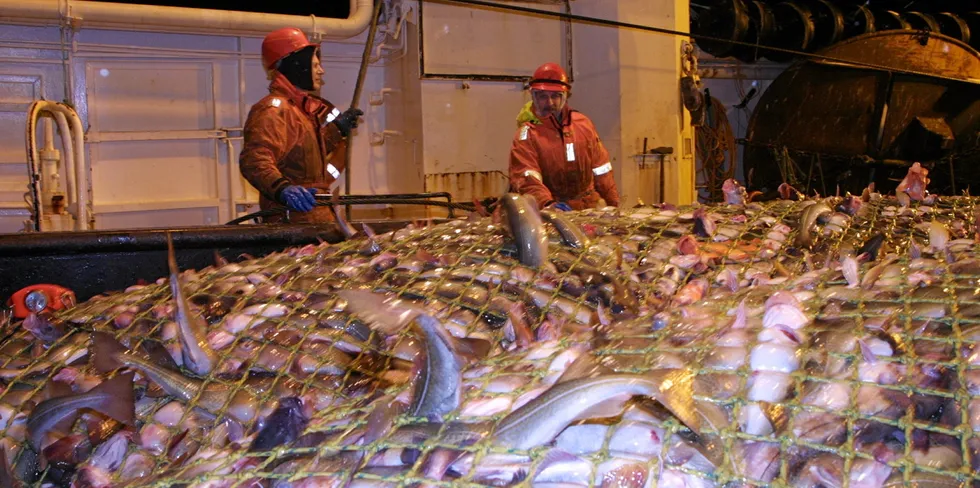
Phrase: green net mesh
(846, 363)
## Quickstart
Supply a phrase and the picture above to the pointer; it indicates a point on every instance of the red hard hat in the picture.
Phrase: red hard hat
(281, 43)
(550, 77)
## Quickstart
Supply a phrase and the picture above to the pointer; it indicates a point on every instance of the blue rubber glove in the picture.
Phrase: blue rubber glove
(298, 198)
(562, 206)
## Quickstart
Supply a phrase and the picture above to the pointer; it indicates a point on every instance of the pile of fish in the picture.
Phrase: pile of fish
(806, 342)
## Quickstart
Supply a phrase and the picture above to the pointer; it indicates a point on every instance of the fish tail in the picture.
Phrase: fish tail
(197, 353)
(119, 400)
(674, 390)
(105, 352)
(381, 420)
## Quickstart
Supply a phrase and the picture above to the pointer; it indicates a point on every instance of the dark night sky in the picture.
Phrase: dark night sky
(330, 8)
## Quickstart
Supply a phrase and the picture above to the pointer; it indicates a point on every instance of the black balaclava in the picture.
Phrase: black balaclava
(297, 68)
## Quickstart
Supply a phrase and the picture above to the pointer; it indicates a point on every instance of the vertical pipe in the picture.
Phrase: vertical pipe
(80, 176)
(234, 175)
(663, 162)
(47, 168)
(37, 210)
(216, 126)
(69, 158)
(232, 182)
(66, 57)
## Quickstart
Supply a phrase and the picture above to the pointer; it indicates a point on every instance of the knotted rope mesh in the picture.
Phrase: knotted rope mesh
(866, 381)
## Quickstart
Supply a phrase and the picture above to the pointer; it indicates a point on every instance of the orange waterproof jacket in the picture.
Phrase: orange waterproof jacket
(563, 162)
(286, 143)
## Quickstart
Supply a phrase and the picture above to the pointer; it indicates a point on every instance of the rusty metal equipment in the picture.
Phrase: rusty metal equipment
(821, 124)
(807, 26)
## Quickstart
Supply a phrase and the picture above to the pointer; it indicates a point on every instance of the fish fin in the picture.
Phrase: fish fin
(426, 256)
(902, 400)
(99, 427)
(675, 391)
(480, 209)
(915, 252)
(7, 478)
(732, 279)
(55, 389)
(741, 316)
(157, 354)
(584, 366)
(342, 224)
(121, 402)
(497, 216)
(185, 318)
(789, 332)
(183, 309)
(368, 231)
(776, 414)
(711, 414)
(471, 347)
(606, 408)
(551, 456)
(60, 439)
(632, 475)
(602, 315)
(869, 355)
(219, 260)
(382, 418)
(105, 352)
(376, 310)
(172, 264)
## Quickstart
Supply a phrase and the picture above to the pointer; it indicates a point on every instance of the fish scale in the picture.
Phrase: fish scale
(929, 440)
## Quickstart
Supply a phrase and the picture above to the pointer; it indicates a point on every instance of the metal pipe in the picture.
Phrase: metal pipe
(69, 160)
(81, 181)
(33, 172)
(380, 99)
(233, 170)
(123, 50)
(474, 77)
(232, 181)
(393, 34)
(72, 130)
(128, 17)
(66, 48)
(49, 162)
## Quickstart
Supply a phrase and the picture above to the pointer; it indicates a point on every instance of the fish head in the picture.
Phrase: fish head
(45, 327)
(734, 193)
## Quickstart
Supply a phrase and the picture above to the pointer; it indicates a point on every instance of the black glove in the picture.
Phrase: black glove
(348, 120)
